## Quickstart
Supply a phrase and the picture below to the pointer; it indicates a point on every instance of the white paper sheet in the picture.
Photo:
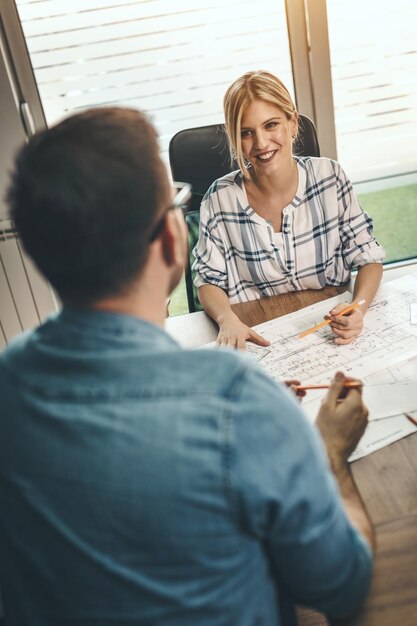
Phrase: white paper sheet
(383, 355)
(381, 433)
(382, 400)
(387, 339)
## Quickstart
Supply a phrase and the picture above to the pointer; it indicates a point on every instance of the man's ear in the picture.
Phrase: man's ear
(169, 239)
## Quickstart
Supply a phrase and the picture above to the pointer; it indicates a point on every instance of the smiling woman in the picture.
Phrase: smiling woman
(266, 142)
(280, 223)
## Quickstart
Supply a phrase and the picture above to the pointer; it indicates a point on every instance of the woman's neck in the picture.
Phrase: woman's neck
(278, 184)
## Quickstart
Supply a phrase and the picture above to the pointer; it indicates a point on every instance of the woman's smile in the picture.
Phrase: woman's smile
(266, 132)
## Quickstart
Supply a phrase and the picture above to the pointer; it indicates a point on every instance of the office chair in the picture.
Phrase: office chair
(201, 155)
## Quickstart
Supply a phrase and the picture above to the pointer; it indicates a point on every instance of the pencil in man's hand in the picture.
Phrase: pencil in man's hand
(349, 384)
(351, 307)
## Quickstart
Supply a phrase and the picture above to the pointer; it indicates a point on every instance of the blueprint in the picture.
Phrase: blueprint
(384, 357)
(388, 338)
(388, 394)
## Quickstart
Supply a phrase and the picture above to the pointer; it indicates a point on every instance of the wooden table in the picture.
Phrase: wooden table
(386, 479)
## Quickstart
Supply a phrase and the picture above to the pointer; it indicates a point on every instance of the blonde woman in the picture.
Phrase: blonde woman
(280, 223)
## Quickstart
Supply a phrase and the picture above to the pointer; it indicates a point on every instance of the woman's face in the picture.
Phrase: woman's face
(266, 135)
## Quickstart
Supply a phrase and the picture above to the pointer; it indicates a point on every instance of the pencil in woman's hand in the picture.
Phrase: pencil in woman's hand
(351, 307)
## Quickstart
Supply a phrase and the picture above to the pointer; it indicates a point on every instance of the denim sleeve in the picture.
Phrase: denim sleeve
(289, 500)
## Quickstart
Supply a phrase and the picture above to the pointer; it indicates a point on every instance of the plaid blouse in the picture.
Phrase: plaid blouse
(325, 234)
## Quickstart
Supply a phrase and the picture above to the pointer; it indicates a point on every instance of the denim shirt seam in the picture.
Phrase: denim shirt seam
(233, 395)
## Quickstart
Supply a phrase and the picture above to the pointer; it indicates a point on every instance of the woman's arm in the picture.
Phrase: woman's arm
(367, 283)
(347, 327)
(232, 332)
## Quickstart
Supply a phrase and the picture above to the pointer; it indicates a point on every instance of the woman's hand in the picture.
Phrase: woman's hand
(234, 334)
(345, 327)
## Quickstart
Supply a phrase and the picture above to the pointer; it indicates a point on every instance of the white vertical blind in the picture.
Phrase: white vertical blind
(172, 59)
(373, 48)
(25, 297)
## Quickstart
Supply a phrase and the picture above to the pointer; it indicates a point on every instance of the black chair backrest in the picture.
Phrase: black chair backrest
(201, 155)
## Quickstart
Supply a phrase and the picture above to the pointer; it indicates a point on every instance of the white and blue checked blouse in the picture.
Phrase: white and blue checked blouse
(325, 234)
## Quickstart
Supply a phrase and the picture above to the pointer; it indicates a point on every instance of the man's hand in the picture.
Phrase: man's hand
(293, 385)
(233, 333)
(342, 420)
(345, 327)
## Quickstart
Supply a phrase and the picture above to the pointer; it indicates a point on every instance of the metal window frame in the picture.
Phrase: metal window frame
(19, 68)
(310, 56)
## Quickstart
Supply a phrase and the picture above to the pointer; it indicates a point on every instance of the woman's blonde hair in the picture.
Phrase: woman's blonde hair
(251, 86)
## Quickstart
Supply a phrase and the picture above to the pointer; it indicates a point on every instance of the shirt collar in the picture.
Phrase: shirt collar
(116, 325)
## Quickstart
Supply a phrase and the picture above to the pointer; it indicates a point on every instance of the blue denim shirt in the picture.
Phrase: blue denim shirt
(143, 484)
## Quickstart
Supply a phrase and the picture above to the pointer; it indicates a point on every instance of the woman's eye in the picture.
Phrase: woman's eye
(245, 133)
(271, 124)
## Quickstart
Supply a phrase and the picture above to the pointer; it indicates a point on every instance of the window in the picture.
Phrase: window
(173, 59)
(374, 86)
(373, 51)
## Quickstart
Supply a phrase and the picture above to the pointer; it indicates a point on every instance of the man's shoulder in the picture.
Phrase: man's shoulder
(16, 349)
(213, 371)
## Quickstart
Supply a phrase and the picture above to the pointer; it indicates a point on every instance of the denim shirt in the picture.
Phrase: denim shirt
(144, 484)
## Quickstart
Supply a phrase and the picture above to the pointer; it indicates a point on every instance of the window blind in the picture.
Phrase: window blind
(373, 49)
(171, 59)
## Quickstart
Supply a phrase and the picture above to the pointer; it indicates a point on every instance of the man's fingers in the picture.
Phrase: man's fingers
(292, 382)
(335, 389)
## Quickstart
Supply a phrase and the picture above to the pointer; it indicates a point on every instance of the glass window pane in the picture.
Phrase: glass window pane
(373, 49)
(172, 59)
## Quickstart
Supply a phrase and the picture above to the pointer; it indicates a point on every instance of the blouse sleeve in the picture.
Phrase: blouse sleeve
(210, 263)
(358, 243)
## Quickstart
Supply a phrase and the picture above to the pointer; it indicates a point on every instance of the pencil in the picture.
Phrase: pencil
(349, 384)
(411, 418)
(353, 305)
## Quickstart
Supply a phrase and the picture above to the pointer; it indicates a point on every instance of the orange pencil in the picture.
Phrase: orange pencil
(349, 384)
(352, 306)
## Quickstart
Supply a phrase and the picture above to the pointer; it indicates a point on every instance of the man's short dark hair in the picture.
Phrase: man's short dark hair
(84, 198)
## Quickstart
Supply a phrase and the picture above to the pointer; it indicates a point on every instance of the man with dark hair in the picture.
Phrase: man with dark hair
(75, 201)
(140, 483)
